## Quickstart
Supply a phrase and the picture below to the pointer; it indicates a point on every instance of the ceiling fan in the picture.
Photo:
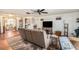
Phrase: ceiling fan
(40, 11)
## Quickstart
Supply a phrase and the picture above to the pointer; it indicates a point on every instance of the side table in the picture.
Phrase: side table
(55, 41)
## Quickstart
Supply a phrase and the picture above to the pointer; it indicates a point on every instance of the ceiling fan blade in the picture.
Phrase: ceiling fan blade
(42, 10)
(27, 13)
(45, 12)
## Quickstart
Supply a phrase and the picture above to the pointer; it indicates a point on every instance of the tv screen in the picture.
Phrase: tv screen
(47, 24)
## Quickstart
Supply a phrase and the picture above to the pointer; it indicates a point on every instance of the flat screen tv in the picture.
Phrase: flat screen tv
(47, 24)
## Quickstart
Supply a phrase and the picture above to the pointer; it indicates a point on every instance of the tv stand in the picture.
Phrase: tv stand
(48, 30)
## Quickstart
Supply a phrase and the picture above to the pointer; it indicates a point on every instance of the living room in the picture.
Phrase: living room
(58, 24)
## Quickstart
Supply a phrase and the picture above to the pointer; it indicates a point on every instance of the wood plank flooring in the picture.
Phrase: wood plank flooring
(4, 37)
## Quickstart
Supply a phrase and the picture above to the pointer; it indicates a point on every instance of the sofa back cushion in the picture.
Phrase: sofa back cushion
(38, 38)
(22, 33)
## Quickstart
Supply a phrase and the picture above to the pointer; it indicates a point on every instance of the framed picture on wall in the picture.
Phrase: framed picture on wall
(41, 19)
(58, 18)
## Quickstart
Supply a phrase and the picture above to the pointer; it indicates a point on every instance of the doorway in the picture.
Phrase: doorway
(10, 25)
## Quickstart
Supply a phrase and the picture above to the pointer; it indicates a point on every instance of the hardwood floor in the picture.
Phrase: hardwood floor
(9, 34)
(3, 39)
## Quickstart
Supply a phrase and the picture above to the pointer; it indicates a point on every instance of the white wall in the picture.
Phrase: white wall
(69, 18)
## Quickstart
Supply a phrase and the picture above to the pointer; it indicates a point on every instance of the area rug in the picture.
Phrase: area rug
(17, 43)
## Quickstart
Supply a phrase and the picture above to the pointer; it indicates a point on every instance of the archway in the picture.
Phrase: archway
(10, 24)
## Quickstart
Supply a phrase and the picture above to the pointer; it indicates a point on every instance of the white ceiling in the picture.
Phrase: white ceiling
(22, 12)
